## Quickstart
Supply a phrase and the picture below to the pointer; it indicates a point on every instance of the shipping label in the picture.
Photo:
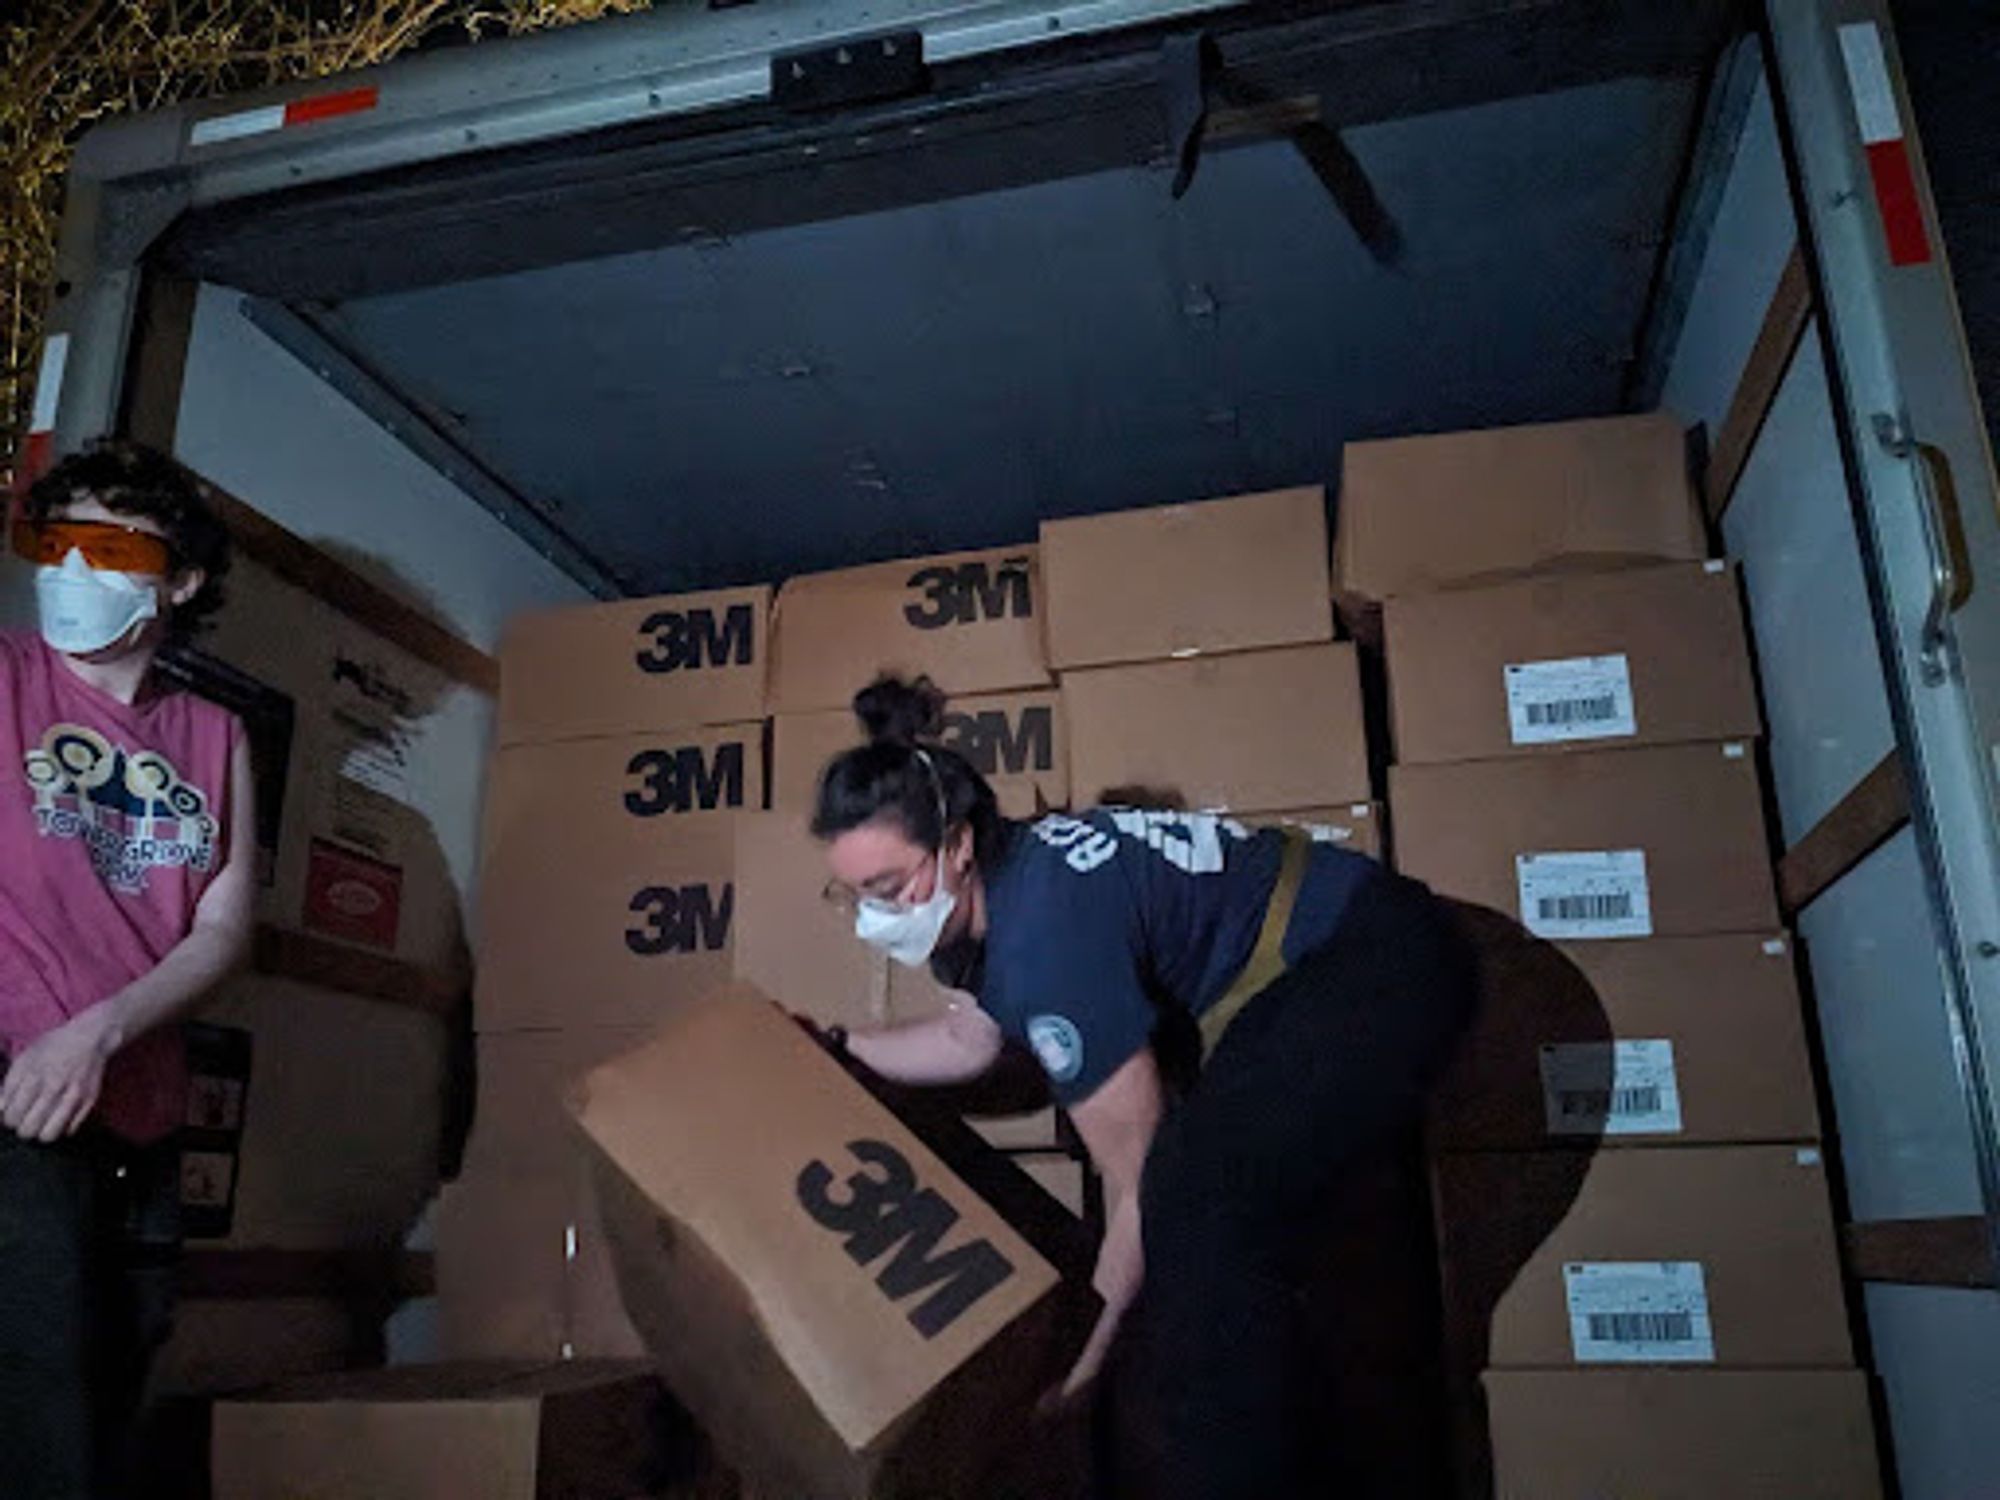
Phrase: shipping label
(1639, 1312)
(1590, 894)
(1611, 1088)
(1574, 698)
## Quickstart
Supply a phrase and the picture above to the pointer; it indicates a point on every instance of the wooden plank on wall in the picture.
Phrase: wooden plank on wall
(335, 966)
(1876, 808)
(1921, 1252)
(1763, 372)
(304, 566)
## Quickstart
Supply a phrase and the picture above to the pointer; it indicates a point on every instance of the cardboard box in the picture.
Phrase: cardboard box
(520, 1121)
(1683, 1434)
(1721, 1255)
(800, 949)
(1420, 513)
(639, 664)
(1035, 1130)
(1250, 732)
(1357, 826)
(1058, 1174)
(581, 932)
(1644, 656)
(1185, 580)
(1664, 842)
(971, 621)
(575, 799)
(838, 1311)
(1018, 741)
(1683, 1041)
(523, 1268)
(508, 1431)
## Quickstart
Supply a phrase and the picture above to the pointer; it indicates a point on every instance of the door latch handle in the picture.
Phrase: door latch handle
(1944, 540)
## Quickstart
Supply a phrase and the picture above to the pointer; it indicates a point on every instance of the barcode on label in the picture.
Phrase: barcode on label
(1614, 907)
(1572, 711)
(1642, 1327)
(1591, 1103)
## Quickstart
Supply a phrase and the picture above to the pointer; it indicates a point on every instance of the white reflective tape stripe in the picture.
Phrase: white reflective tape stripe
(219, 128)
(48, 382)
(1868, 82)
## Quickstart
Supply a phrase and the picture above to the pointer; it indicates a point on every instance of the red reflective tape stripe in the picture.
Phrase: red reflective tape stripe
(1896, 197)
(37, 456)
(327, 106)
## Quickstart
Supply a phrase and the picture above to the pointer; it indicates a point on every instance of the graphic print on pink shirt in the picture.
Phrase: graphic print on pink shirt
(114, 818)
(129, 807)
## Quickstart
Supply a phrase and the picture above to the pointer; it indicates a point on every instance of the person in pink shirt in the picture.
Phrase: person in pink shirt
(126, 857)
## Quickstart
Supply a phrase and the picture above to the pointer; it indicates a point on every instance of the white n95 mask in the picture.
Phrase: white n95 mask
(908, 934)
(84, 609)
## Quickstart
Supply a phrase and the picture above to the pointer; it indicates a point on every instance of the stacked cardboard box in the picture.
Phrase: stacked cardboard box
(1632, 1206)
(500, 1431)
(630, 739)
(1197, 661)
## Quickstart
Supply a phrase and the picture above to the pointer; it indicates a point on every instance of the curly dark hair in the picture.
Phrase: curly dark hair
(131, 479)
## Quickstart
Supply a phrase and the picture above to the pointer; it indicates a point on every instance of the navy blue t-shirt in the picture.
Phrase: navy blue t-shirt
(1094, 919)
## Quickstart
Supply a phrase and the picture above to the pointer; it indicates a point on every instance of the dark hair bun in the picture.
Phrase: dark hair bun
(896, 712)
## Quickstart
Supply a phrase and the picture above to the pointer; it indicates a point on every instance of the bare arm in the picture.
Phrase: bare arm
(955, 1047)
(1118, 1123)
(51, 1088)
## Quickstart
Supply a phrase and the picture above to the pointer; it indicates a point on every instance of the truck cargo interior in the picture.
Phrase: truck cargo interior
(584, 317)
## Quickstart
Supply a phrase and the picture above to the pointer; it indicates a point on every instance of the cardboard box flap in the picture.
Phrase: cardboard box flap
(869, 1269)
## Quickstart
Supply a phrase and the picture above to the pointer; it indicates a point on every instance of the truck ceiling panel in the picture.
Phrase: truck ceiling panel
(943, 375)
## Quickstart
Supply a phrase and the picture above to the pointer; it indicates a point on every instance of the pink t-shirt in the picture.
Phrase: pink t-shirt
(114, 818)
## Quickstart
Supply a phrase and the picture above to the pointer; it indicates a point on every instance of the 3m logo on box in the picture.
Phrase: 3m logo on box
(997, 747)
(681, 919)
(683, 779)
(689, 640)
(970, 592)
(881, 1208)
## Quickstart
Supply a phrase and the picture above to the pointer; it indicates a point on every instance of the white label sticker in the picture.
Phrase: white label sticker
(1611, 1088)
(234, 127)
(1639, 1312)
(1601, 894)
(1868, 82)
(1575, 698)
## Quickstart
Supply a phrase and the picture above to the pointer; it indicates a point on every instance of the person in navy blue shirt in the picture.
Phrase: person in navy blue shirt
(1080, 936)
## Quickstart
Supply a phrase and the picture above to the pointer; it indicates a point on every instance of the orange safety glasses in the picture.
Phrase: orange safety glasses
(118, 549)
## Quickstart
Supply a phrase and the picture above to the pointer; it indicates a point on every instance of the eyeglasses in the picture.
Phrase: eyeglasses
(117, 549)
(885, 890)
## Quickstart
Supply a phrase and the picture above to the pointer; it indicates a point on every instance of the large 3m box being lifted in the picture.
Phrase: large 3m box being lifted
(971, 621)
(841, 1314)
(1665, 842)
(1186, 580)
(636, 665)
(1682, 1435)
(1420, 513)
(1638, 656)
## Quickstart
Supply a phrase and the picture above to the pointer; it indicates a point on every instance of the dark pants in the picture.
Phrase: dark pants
(1320, 1075)
(88, 1236)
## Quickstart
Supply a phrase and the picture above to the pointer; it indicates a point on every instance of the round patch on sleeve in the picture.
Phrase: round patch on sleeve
(1058, 1044)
